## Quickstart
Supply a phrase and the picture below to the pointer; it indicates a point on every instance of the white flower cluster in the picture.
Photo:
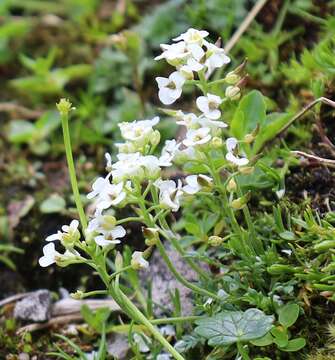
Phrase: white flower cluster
(190, 53)
(136, 163)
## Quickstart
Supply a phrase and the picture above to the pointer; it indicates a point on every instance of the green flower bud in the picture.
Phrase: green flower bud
(78, 295)
(216, 142)
(233, 92)
(241, 202)
(118, 261)
(64, 107)
(231, 186)
(155, 138)
(151, 236)
(215, 240)
(232, 78)
(246, 170)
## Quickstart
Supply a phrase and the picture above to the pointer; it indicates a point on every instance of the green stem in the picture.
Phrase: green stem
(242, 351)
(138, 316)
(179, 277)
(72, 171)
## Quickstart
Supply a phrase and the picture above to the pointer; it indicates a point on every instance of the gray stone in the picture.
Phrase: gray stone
(24, 356)
(164, 283)
(118, 347)
(35, 307)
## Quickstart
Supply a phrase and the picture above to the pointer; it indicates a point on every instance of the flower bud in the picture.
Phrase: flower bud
(151, 236)
(215, 240)
(138, 262)
(231, 186)
(232, 78)
(233, 92)
(249, 138)
(118, 261)
(78, 295)
(64, 106)
(205, 181)
(241, 202)
(216, 142)
(246, 170)
(155, 138)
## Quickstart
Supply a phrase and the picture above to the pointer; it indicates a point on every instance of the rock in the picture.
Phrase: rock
(35, 307)
(24, 356)
(164, 283)
(118, 347)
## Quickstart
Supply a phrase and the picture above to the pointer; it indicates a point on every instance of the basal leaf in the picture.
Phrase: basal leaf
(250, 112)
(229, 327)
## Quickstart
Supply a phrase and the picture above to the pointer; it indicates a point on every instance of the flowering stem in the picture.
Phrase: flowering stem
(192, 264)
(72, 171)
(179, 277)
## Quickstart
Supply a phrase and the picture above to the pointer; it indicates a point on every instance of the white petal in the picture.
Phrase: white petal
(118, 232)
(177, 78)
(197, 51)
(231, 144)
(214, 114)
(74, 225)
(202, 104)
(165, 97)
(162, 81)
(54, 237)
(101, 241)
(45, 261)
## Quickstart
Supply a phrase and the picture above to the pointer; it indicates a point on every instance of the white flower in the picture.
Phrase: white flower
(127, 168)
(215, 57)
(231, 144)
(138, 131)
(110, 237)
(111, 196)
(68, 236)
(194, 183)
(170, 89)
(192, 36)
(98, 187)
(212, 124)
(108, 161)
(174, 53)
(197, 137)
(186, 72)
(209, 105)
(151, 166)
(51, 256)
(137, 261)
(167, 330)
(190, 120)
(169, 152)
(169, 193)
(196, 59)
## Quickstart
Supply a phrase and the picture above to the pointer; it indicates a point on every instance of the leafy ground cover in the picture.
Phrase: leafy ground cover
(270, 291)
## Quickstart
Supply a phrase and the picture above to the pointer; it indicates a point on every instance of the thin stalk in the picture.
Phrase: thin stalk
(258, 245)
(179, 277)
(72, 171)
(138, 316)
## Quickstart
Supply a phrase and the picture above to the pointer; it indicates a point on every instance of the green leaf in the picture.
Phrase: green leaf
(53, 204)
(263, 341)
(280, 336)
(250, 112)
(20, 131)
(229, 327)
(287, 235)
(288, 314)
(294, 345)
(272, 125)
